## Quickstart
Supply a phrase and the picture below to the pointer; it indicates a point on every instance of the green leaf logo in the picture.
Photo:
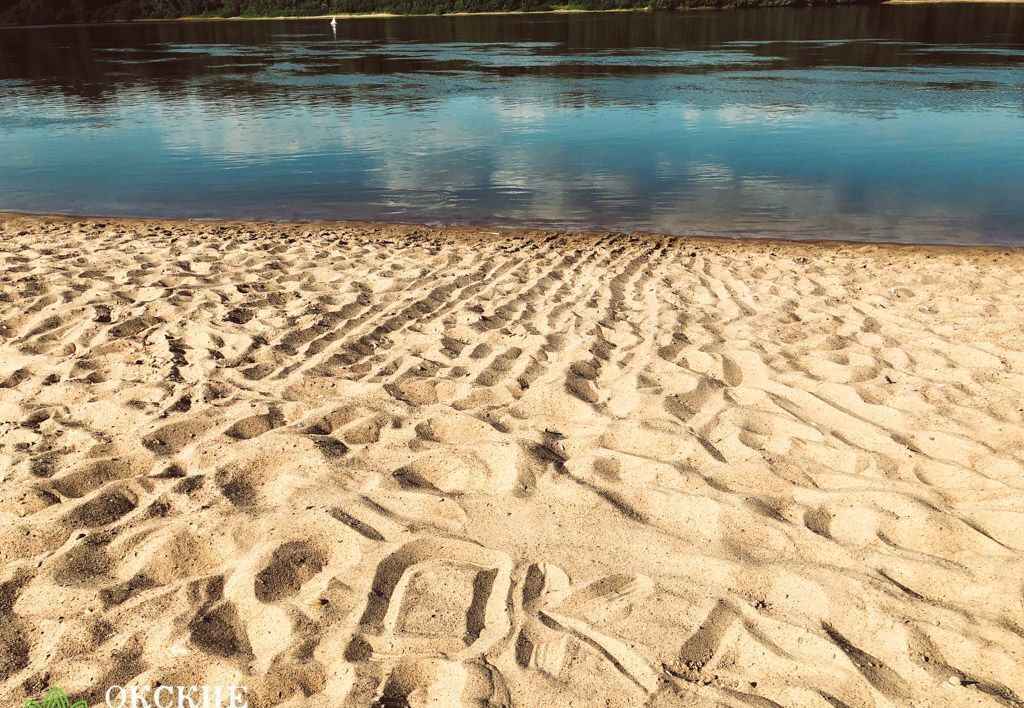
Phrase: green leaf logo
(55, 698)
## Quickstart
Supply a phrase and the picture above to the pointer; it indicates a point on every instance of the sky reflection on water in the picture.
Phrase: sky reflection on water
(873, 123)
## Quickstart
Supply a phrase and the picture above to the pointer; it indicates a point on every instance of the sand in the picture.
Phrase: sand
(356, 464)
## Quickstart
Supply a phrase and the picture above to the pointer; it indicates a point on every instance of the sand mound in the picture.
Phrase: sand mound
(388, 465)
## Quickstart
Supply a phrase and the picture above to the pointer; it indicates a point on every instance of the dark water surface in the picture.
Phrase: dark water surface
(901, 123)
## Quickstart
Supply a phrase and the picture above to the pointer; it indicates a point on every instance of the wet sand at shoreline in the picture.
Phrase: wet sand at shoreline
(357, 463)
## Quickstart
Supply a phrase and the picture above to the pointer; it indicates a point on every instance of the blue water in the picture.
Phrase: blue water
(896, 123)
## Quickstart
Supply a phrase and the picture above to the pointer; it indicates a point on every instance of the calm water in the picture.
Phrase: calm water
(894, 123)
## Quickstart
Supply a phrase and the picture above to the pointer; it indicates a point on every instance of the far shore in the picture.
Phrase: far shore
(386, 15)
(560, 10)
(554, 11)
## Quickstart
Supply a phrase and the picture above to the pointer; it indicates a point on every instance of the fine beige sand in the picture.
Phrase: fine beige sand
(352, 464)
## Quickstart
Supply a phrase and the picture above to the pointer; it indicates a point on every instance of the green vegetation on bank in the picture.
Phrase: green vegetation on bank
(25, 12)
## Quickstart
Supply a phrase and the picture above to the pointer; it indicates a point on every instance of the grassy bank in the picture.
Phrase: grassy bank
(23, 12)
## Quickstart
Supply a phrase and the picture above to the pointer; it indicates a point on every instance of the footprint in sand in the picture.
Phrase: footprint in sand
(482, 469)
(557, 613)
(291, 565)
(466, 456)
(219, 631)
(83, 479)
(436, 607)
(175, 437)
(103, 509)
(255, 425)
(354, 424)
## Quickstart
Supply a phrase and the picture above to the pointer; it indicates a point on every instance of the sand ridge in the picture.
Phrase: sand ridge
(365, 464)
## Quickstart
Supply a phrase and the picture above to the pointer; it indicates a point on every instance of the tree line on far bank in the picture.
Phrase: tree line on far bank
(31, 12)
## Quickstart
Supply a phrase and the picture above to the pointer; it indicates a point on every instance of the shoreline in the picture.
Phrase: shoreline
(470, 229)
(565, 11)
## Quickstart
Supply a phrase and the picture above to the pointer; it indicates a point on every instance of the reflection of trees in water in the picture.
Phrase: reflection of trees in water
(243, 60)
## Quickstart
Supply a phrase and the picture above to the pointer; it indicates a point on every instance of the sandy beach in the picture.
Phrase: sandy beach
(363, 464)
